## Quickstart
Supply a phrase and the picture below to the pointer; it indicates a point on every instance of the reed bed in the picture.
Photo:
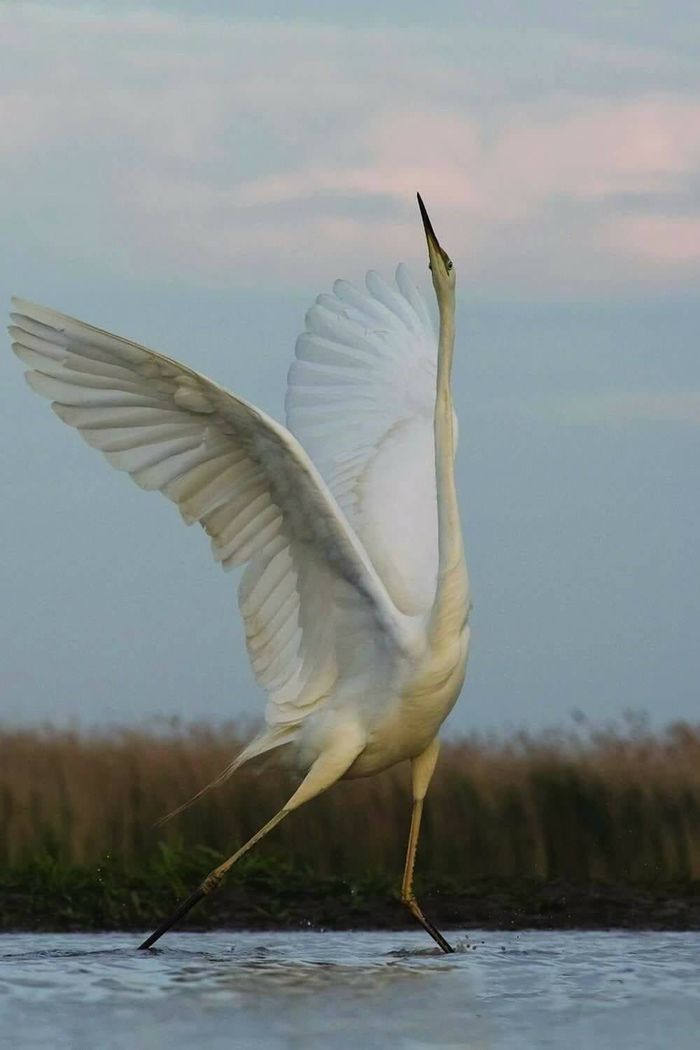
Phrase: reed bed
(607, 805)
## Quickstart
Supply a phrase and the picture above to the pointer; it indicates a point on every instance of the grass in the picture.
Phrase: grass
(516, 817)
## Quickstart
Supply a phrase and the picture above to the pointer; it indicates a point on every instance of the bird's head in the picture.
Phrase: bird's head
(439, 262)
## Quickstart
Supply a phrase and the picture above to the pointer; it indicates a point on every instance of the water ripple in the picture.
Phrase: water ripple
(499, 991)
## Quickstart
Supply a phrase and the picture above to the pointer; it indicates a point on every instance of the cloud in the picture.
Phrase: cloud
(219, 149)
(660, 240)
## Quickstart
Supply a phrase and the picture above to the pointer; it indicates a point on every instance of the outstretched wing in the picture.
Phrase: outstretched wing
(312, 603)
(361, 400)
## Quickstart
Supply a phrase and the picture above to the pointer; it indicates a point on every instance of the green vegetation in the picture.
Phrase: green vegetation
(589, 828)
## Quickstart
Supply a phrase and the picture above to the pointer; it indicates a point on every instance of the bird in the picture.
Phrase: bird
(355, 592)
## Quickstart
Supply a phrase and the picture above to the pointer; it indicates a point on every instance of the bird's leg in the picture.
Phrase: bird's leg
(211, 882)
(422, 769)
(328, 767)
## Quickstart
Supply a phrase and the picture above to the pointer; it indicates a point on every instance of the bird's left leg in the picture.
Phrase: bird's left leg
(330, 766)
(422, 768)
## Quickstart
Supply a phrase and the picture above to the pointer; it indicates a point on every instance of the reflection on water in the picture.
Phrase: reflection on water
(499, 991)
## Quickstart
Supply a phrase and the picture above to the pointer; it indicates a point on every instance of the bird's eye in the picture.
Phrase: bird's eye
(448, 264)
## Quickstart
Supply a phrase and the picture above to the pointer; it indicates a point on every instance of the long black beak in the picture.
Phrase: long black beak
(427, 224)
(434, 248)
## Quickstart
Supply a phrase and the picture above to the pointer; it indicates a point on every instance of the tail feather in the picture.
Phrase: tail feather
(266, 741)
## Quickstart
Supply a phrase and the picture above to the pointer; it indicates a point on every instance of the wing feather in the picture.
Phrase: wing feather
(247, 481)
(361, 398)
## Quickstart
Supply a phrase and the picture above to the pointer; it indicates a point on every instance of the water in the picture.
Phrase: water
(499, 991)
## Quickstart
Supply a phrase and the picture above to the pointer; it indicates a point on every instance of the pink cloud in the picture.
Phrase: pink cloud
(495, 191)
(640, 146)
(197, 150)
(655, 239)
(645, 146)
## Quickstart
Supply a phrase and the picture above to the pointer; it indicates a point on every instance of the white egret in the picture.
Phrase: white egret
(355, 593)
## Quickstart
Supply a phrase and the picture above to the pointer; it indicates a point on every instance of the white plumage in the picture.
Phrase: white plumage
(354, 593)
(361, 399)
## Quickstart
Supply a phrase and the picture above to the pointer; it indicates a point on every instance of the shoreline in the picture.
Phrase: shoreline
(508, 905)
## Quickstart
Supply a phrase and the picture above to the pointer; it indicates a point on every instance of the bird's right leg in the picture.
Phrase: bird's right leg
(330, 765)
(422, 768)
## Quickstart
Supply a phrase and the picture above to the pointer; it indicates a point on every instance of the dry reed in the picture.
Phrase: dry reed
(600, 805)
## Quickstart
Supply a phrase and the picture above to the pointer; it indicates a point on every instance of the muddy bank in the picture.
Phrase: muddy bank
(548, 906)
(47, 897)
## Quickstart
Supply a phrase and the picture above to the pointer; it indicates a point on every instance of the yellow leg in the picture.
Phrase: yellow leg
(327, 768)
(422, 769)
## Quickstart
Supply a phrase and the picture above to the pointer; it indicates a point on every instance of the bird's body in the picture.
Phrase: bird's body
(355, 594)
(397, 716)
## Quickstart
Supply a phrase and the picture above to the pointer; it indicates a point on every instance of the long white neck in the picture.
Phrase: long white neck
(452, 595)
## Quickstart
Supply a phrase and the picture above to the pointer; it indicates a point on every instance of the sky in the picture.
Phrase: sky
(191, 178)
